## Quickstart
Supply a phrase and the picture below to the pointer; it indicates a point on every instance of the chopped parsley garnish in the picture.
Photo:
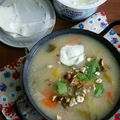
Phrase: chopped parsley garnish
(62, 87)
(93, 67)
(82, 76)
(99, 90)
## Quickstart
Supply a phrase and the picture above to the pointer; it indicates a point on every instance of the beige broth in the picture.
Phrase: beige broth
(39, 75)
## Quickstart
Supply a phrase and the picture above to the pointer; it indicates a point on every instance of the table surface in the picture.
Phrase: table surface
(9, 54)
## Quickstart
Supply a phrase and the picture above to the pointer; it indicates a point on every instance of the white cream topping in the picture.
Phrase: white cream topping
(24, 17)
(72, 54)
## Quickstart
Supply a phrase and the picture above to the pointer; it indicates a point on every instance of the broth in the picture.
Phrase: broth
(45, 70)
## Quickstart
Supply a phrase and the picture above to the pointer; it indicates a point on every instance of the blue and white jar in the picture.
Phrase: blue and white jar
(74, 11)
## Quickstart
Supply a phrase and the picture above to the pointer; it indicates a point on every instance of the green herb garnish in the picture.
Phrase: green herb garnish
(93, 67)
(62, 87)
(51, 48)
(99, 90)
(82, 76)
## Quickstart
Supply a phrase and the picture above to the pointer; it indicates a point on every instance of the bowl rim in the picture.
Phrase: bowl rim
(84, 7)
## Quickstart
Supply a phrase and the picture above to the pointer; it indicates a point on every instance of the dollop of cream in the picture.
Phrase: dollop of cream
(72, 54)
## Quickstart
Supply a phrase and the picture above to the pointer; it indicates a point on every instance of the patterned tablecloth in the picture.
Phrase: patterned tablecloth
(12, 95)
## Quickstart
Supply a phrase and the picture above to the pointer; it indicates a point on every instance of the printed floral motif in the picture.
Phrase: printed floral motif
(91, 22)
(12, 95)
(9, 113)
(81, 26)
(114, 40)
(2, 69)
(16, 75)
(112, 32)
(7, 74)
(11, 84)
(23, 61)
(103, 25)
(16, 118)
(3, 87)
(119, 46)
(102, 13)
(99, 19)
(10, 88)
(9, 110)
(18, 88)
(97, 23)
(4, 99)
(1, 107)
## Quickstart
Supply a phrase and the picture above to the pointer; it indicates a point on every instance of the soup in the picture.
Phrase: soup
(74, 77)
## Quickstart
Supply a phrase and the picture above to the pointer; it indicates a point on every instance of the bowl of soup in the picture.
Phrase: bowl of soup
(73, 75)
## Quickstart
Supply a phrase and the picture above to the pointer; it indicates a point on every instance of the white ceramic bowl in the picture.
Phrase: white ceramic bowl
(30, 41)
(78, 13)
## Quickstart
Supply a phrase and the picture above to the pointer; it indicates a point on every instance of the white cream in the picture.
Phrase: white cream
(24, 17)
(77, 3)
(72, 54)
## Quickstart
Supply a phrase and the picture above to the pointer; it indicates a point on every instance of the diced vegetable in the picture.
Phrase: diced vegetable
(99, 90)
(93, 67)
(90, 104)
(73, 40)
(108, 66)
(85, 114)
(107, 77)
(62, 87)
(51, 48)
(82, 76)
(49, 104)
(109, 96)
(55, 73)
(48, 93)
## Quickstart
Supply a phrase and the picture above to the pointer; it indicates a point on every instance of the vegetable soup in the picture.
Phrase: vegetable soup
(74, 77)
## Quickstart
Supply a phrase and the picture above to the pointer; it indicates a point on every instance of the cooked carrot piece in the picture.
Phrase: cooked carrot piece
(73, 40)
(48, 93)
(109, 96)
(49, 104)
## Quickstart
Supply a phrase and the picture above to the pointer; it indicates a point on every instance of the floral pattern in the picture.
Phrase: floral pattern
(97, 23)
(3, 87)
(7, 74)
(9, 112)
(16, 75)
(11, 88)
